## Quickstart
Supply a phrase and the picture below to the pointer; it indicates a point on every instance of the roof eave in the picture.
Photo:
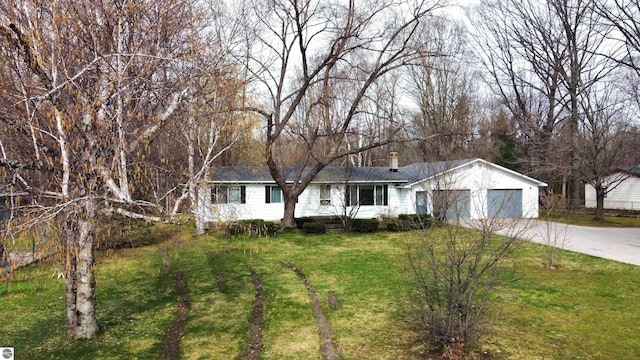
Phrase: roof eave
(538, 183)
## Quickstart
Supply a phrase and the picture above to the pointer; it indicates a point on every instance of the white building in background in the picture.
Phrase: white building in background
(625, 195)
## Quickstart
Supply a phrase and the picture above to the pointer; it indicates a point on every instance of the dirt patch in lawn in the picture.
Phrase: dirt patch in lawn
(328, 348)
(255, 329)
(171, 344)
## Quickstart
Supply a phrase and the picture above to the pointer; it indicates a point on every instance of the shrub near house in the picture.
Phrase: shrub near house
(314, 227)
(365, 225)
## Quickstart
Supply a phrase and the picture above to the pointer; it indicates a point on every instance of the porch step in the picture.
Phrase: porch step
(331, 222)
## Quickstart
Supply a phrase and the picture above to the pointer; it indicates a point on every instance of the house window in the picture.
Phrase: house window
(273, 194)
(367, 195)
(228, 194)
(325, 194)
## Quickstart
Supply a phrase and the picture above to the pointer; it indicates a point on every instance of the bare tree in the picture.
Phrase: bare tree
(624, 16)
(441, 87)
(317, 61)
(554, 235)
(211, 129)
(543, 56)
(520, 45)
(604, 141)
(87, 87)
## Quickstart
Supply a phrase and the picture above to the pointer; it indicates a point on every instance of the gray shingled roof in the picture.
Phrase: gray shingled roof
(332, 174)
(425, 170)
(633, 170)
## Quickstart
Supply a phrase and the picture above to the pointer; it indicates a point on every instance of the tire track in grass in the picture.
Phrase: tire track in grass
(328, 348)
(171, 344)
(255, 329)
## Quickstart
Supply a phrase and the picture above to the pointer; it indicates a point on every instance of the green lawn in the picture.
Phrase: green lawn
(586, 309)
(586, 219)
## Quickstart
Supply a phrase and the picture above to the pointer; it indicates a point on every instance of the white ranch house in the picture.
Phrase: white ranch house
(472, 189)
(626, 193)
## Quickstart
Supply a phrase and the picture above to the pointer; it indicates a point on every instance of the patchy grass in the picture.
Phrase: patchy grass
(586, 219)
(586, 309)
(133, 321)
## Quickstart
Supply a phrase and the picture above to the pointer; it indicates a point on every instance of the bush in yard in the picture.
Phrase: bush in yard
(365, 225)
(417, 221)
(260, 227)
(314, 227)
(253, 227)
(120, 232)
(237, 229)
(405, 222)
(398, 225)
(303, 220)
(453, 270)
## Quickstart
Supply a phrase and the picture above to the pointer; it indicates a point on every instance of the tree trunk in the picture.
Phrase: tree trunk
(200, 228)
(574, 192)
(289, 213)
(599, 215)
(200, 223)
(79, 230)
(196, 211)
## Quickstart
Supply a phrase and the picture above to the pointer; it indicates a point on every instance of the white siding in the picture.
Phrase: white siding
(625, 196)
(254, 208)
(309, 204)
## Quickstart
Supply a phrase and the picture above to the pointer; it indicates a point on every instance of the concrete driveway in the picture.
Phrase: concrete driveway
(619, 244)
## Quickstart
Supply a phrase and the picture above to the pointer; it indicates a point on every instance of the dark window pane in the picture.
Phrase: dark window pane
(366, 195)
(234, 195)
(352, 195)
(379, 195)
(276, 194)
(223, 192)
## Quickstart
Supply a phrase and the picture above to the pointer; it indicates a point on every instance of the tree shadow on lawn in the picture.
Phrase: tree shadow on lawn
(221, 286)
(117, 319)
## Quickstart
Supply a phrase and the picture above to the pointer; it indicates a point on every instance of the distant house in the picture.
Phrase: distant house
(472, 189)
(626, 195)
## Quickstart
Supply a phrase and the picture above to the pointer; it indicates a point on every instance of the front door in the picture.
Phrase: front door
(422, 201)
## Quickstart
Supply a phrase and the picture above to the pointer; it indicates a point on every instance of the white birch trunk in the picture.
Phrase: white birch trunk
(80, 278)
(124, 178)
(64, 153)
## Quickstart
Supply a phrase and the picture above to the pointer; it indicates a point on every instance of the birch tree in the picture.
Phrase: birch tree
(211, 129)
(300, 52)
(87, 87)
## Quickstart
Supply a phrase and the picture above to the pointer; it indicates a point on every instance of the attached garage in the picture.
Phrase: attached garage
(473, 189)
(504, 203)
